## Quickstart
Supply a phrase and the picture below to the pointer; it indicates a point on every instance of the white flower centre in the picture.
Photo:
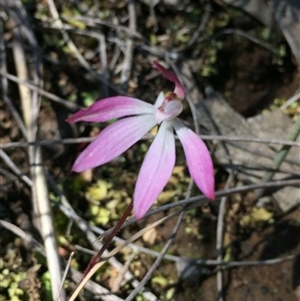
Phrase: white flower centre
(167, 108)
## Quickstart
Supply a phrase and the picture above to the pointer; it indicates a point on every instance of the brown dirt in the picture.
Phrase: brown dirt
(251, 77)
(264, 282)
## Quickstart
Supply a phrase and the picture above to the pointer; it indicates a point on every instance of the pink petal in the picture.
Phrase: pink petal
(198, 159)
(113, 141)
(179, 89)
(155, 171)
(110, 108)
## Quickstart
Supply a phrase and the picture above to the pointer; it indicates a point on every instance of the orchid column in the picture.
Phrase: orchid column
(139, 118)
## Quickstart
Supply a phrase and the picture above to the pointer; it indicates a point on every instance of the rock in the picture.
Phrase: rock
(251, 159)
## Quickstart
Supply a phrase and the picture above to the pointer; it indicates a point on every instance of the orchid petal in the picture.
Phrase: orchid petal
(113, 141)
(110, 108)
(159, 100)
(155, 171)
(198, 159)
(179, 89)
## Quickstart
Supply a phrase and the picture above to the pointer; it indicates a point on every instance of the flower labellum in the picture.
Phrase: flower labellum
(140, 118)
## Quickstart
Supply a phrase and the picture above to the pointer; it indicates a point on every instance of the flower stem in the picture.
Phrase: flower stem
(95, 259)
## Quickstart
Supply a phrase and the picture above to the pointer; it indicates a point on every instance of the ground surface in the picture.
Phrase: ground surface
(250, 77)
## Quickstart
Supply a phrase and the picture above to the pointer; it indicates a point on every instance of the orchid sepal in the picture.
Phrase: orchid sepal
(198, 159)
(155, 171)
(179, 89)
(113, 141)
(111, 108)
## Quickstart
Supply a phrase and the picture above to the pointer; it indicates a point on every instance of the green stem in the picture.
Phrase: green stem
(280, 156)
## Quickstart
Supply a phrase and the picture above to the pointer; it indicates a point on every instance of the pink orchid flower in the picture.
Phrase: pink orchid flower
(159, 161)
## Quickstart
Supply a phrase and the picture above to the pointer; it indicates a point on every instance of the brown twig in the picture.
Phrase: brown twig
(127, 63)
(40, 91)
(219, 241)
(150, 136)
(91, 286)
(14, 168)
(4, 83)
(30, 103)
(67, 209)
(60, 25)
(197, 201)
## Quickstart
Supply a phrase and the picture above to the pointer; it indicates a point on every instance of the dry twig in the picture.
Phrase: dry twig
(30, 109)
(220, 239)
